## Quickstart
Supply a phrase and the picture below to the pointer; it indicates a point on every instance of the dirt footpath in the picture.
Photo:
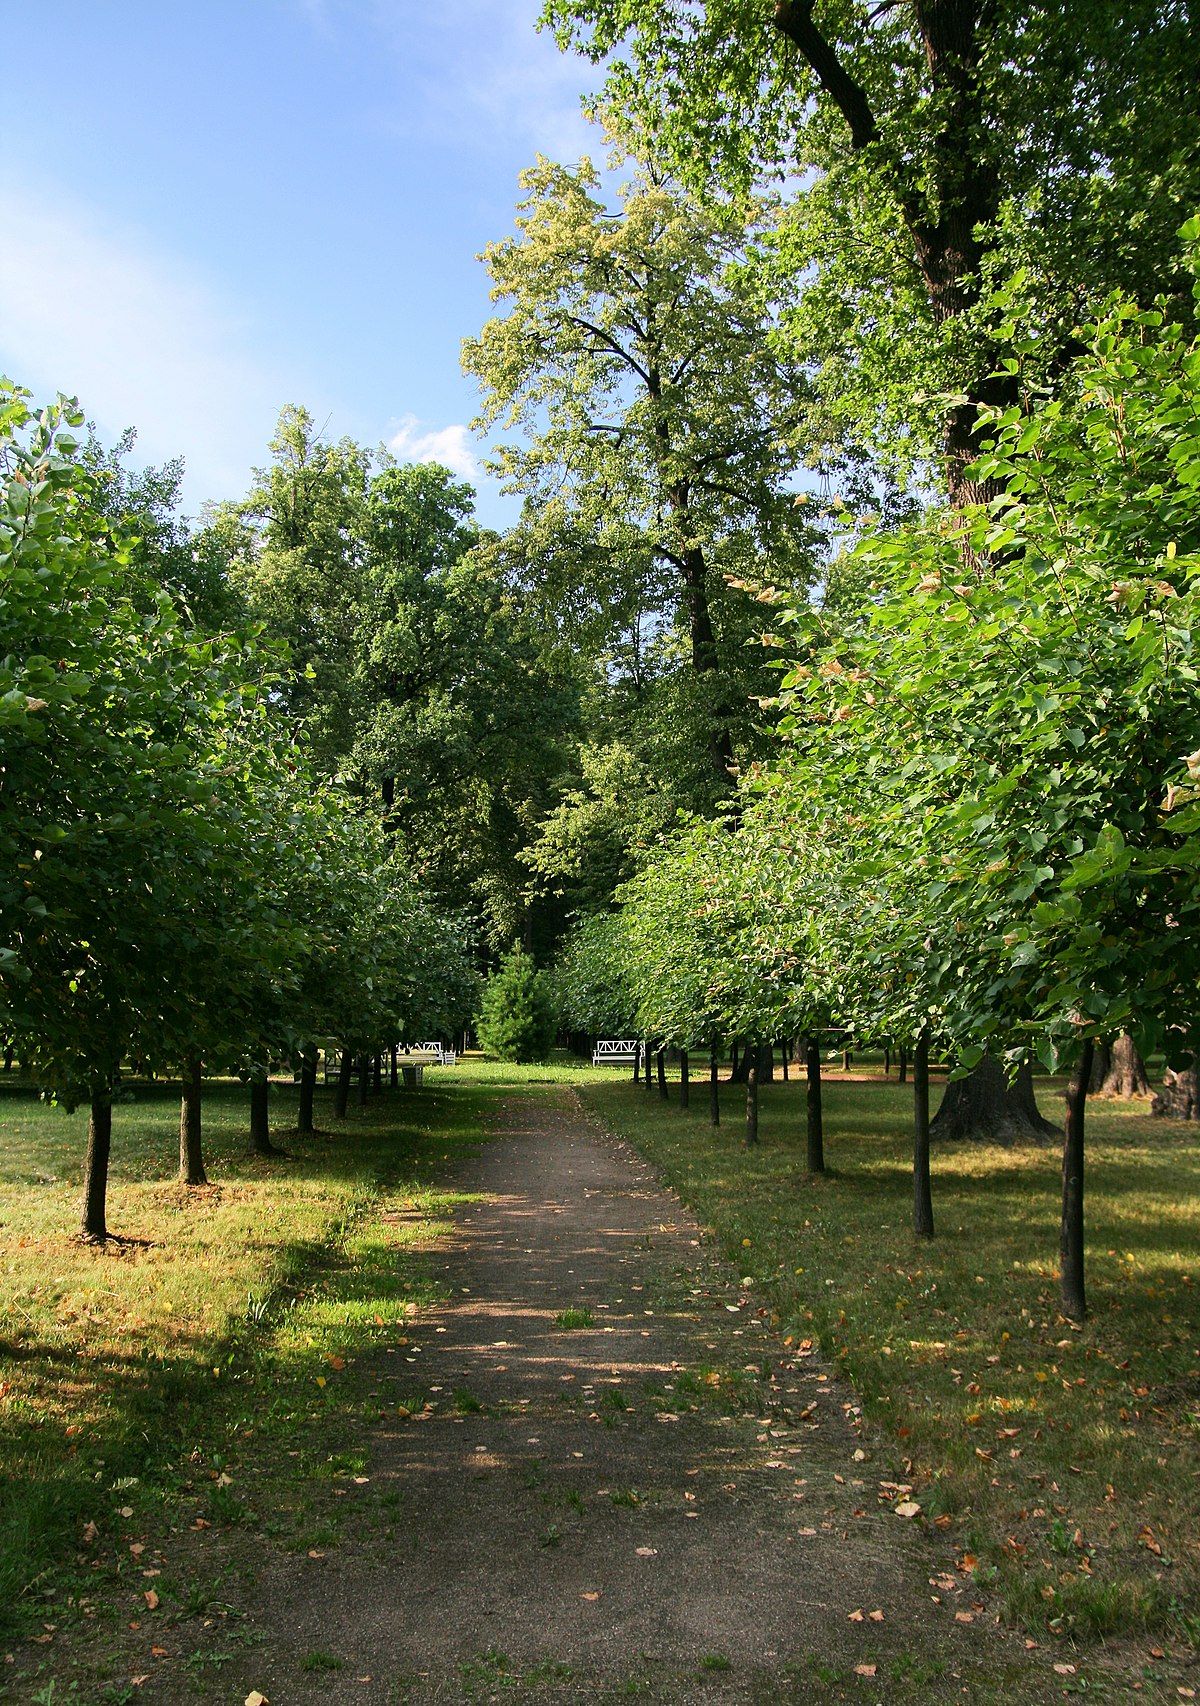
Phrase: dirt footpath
(650, 1496)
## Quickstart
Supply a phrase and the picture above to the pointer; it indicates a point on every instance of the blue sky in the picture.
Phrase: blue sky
(213, 209)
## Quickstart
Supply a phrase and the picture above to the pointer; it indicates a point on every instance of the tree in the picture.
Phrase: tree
(662, 428)
(940, 150)
(516, 1018)
(1009, 716)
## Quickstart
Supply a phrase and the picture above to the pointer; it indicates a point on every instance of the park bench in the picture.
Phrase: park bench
(615, 1051)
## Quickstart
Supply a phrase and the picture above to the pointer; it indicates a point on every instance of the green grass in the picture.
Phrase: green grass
(570, 1320)
(145, 1369)
(1057, 1458)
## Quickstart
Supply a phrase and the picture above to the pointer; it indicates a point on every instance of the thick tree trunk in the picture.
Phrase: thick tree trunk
(308, 1091)
(1179, 1098)
(766, 1063)
(191, 1150)
(649, 1063)
(735, 1074)
(902, 1068)
(637, 1059)
(751, 1095)
(1126, 1075)
(662, 1073)
(1101, 1061)
(93, 1228)
(341, 1095)
(683, 1079)
(922, 1191)
(714, 1088)
(1074, 1300)
(984, 1107)
(814, 1122)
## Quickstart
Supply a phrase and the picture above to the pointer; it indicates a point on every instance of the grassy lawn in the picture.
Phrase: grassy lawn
(202, 1371)
(1063, 1462)
(132, 1375)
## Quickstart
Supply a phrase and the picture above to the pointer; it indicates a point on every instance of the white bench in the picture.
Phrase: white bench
(615, 1051)
(430, 1054)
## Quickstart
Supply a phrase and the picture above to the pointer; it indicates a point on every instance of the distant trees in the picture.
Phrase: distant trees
(166, 868)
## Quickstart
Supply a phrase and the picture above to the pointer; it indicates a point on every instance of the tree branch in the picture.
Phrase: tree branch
(794, 19)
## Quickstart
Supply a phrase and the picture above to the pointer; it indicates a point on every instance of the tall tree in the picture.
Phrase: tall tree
(661, 428)
(939, 149)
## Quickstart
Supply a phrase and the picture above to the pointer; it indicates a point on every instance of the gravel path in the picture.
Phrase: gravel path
(609, 1522)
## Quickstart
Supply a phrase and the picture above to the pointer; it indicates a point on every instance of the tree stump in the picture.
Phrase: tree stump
(1179, 1098)
(1126, 1075)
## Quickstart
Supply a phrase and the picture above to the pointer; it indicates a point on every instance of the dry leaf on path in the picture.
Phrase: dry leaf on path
(151, 1599)
(854, 1617)
(593, 1595)
(254, 1698)
(907, 1507)
(865, 1670)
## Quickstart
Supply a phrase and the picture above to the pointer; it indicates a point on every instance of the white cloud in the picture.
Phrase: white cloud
(451, 446)
(95, 312)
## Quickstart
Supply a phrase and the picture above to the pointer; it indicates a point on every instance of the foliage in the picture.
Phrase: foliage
(516, 1019)
(1013, 723)
(936, 153)
(590, 979)
(661, 429)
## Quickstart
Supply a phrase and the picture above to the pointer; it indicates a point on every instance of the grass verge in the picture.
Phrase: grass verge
(1063, 1461)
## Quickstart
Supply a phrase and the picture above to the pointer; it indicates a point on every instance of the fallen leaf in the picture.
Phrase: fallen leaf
(854, 1617)
(336, 1362)
(91, 1532)
(313, 1553)
(125, 1510)
(647, 1551)
(254, 1698)
(876, 1616)
(137, 1681)
(865, 1670)
(137, 1547)
(151, 1599)
(907, 1507)
(593, 1595)
(964, 1617)
(1064, 1669)
(158, 1652)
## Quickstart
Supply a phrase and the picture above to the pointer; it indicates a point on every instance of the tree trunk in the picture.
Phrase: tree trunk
(341, 1096)
(902, 1067)
(662, 1073)
(92, 1226)
(1179, 1098)
(377, 1073)
(364, 1068)
(751, 1095)
(983, 1107)
(815, 1128)
(649, 1063)
(766, 1063)
(683, 1079)
(395, 1071)
(1126, 1075)
(1074, 1301)
(637, 1059)
(260, 1117)
(922, 1192)
(308, 1090)
(1101, 1061)
(734, 1073)
(191, 1151)
(783, 1060)
(714, 1088)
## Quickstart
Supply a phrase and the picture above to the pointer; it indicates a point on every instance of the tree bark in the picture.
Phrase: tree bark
(1074, 1300)
(714, 1088)
(395, 1069)
(683, 1079)
(1101, 1061)
(814, 1122)
(751, 1095)
(983, 1107)
(922, 1191)
(341, 1095)
(93, 1228)
(902, 1067)
(662, 1073)
(308, 1090)
(1179, 1098)
(191, 1149)
(260, 1117)
(637, 1059)
(948, 196)
(364, 1067)
(783, 1060)
(377, 1073)
(1126, 1075)
(734, 1064)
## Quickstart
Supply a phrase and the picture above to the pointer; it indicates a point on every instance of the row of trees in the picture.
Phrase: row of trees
(176, 886)
(983, 828)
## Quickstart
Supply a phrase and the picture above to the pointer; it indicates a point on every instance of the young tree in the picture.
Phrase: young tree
(516, 1018)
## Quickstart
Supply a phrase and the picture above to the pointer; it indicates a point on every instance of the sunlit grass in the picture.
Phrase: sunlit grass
(1006, 1418)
